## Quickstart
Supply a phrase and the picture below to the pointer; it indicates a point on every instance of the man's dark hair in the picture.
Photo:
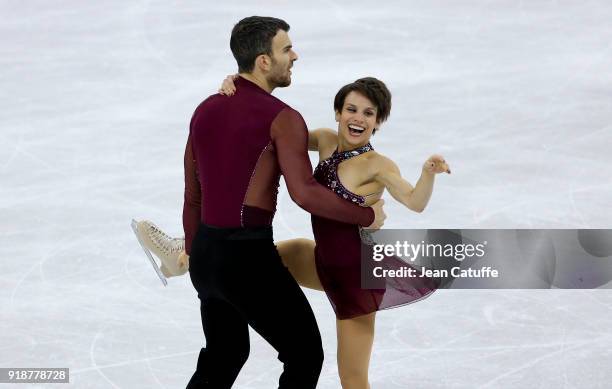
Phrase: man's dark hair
(252, 37)
(375, 90)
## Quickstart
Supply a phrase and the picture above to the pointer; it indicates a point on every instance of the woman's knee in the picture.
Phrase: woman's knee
(294, 248)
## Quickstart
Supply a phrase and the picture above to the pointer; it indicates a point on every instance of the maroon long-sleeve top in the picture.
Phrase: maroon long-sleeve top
(236, 151)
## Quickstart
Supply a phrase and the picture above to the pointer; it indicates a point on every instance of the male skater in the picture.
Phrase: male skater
(237, 148)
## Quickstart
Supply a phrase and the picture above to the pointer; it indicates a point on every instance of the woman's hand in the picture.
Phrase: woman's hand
(436, 164)
(227, 87)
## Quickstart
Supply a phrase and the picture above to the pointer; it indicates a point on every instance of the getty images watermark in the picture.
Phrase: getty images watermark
(410, 252)
(488, 259)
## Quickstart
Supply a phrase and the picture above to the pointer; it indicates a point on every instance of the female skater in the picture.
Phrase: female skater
(351, 168)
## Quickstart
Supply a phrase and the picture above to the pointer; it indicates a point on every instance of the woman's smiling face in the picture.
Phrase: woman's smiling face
(357, 120)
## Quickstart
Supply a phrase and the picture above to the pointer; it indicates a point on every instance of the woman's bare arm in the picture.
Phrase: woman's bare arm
(414, 198)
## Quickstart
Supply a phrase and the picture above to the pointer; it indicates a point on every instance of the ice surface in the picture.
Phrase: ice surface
(96, 100)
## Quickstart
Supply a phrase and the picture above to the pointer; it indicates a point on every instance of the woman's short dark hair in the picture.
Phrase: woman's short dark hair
(252, 37)
(375, 90)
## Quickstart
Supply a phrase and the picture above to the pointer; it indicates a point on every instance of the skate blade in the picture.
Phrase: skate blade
(161, 275)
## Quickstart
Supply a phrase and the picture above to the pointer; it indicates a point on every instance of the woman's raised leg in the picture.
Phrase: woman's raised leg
(298, 256)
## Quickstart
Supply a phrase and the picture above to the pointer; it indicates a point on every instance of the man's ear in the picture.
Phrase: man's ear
(263, 62)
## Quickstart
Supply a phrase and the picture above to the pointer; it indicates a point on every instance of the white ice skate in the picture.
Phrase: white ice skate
(166, 249)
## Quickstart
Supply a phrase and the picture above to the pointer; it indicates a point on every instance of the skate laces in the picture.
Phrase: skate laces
(164, 243)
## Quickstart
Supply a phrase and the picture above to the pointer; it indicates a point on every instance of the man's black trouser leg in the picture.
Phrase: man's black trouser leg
(227, 345)
(242, 281)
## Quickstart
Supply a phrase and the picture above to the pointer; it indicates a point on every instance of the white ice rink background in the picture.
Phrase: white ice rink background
(96, 99)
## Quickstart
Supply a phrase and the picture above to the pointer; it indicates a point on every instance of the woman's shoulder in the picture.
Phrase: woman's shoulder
(379, 162)
(326, 136)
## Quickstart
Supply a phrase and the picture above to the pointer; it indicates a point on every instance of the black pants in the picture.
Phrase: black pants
(242, 281)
